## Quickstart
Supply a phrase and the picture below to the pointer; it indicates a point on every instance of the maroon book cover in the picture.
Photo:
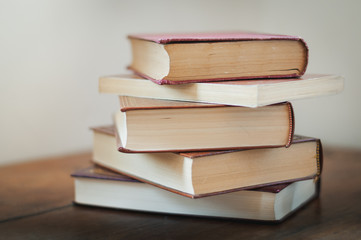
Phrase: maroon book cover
(217, 37)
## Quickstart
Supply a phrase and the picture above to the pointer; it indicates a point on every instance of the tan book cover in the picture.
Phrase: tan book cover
(247, 93)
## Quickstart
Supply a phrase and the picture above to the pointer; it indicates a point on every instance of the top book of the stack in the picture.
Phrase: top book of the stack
(184, 58)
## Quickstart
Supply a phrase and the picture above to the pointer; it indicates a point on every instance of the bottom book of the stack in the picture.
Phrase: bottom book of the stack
(96, 186)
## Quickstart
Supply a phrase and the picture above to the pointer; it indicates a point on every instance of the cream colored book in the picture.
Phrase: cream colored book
(96, 186)
(200, 174)
(248, 93)
(152, 125)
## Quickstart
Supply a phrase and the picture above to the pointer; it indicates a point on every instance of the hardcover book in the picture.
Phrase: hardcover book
(151, 125)
(184, 58)
(96, 186)
(247, 93)
(200, 174)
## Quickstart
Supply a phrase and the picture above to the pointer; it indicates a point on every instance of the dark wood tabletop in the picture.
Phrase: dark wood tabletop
(36, 203)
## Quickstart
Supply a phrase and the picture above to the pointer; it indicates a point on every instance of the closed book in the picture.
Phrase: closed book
(247, 93)
(151, 125)
(200, 174)
(96, 186)
(200, 57)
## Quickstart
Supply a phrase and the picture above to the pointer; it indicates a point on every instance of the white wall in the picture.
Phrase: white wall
(52, 53)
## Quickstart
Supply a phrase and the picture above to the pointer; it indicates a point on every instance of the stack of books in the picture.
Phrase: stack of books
(206, 128)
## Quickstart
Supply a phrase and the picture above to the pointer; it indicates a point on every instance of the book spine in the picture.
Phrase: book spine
(291, 124)
(306, 57)
(319, 159)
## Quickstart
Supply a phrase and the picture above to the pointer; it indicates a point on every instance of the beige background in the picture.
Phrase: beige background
(52, 53)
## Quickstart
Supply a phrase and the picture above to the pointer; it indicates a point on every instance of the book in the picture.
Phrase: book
(247, 93)
(184, 58)
(152, 125)
(200, 174)
(96, 186)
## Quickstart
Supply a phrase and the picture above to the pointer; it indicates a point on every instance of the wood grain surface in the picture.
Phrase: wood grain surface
(36, 203)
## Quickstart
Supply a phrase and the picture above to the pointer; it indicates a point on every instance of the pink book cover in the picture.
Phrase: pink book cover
(216, 37)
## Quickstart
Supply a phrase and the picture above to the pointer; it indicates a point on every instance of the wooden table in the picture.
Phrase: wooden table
(36, 203)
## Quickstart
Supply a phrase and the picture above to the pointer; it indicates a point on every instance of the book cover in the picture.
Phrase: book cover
(167, 38)
(247, 93)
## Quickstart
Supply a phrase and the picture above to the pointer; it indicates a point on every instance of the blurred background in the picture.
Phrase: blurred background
(52, 53)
